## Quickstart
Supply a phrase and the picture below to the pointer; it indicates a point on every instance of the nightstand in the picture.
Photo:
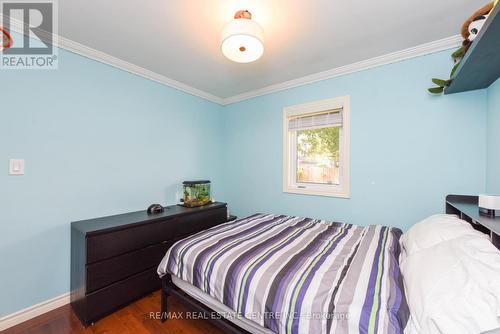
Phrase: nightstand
(466, 207)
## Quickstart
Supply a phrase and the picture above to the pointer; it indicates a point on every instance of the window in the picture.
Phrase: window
(316, 148)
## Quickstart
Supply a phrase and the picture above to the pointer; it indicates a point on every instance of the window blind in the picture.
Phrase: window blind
(317, 120)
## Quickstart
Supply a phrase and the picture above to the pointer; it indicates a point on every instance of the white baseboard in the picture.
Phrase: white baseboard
(33, 311)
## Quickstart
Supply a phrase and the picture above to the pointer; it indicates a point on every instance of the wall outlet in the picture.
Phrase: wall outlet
(16, 167)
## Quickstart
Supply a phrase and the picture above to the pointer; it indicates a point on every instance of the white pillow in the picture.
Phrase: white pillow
(434, 230)
(454, 286)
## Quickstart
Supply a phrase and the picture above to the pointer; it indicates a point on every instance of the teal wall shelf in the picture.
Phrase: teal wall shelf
(481, 65)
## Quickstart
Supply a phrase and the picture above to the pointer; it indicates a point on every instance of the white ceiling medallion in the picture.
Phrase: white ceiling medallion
(242, 38)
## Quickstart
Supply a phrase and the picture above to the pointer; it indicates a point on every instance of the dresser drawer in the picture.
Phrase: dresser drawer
(106, 245)
(105, 272)
(109, 299)
(201, 221)
(114, 259)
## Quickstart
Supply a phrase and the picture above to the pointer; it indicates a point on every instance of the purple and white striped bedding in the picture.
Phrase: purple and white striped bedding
(298, 275)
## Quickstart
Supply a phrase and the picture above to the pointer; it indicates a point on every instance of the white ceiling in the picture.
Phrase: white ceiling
(179, 39)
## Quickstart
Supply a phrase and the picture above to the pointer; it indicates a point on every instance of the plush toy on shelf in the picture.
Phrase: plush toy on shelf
(5, 39)
(473, 25)
(469, 32)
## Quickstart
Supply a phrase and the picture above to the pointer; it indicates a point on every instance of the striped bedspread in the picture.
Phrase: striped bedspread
(298, 275)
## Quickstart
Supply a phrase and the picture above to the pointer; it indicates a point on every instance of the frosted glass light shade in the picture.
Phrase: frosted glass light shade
(242, 41)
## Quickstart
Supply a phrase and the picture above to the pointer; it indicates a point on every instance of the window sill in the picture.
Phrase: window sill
(316, 192)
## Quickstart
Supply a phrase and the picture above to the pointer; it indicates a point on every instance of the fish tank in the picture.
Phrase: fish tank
(196, 193)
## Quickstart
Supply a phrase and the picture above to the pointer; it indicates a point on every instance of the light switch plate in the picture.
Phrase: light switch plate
(16, 167)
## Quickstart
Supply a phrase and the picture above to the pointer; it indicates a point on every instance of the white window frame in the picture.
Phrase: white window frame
(290, 185)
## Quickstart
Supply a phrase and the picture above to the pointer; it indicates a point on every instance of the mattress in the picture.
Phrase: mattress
(297, 275)
(242, 322)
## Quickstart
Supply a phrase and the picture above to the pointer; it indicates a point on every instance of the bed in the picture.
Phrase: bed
(269, 274)
(284, 274)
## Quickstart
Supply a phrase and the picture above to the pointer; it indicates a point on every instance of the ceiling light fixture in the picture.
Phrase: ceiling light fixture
(242, 38)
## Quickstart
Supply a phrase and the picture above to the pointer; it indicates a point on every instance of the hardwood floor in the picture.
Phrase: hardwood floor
(133, 319)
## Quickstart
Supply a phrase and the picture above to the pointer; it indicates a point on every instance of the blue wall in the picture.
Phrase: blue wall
(97, 141)
(408, 149)
(493, 144)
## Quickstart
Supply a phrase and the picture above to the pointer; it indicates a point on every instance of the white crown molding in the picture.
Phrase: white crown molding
(33, 311)
(419, 50)
(105, 58)
(83, 50)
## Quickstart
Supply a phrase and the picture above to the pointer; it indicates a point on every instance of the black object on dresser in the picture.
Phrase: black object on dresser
(114, 259)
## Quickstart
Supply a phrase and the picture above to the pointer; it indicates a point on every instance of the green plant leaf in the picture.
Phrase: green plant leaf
(440, 82)
(458, 53)
(436, 90)
(453, 70)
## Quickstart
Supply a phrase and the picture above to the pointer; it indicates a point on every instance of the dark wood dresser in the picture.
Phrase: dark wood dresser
(114, 259)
